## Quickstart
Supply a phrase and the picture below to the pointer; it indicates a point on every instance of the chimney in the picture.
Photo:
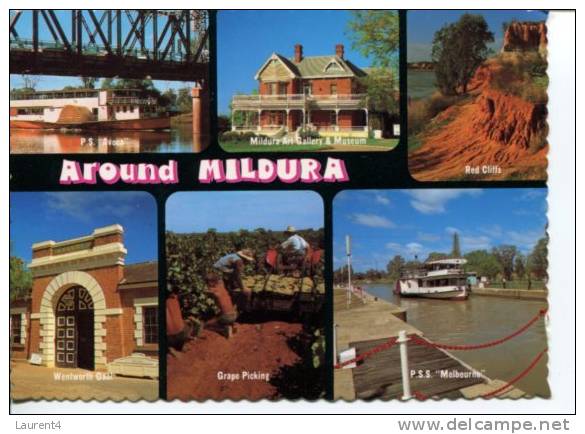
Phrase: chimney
(298, 53)
(339, 51)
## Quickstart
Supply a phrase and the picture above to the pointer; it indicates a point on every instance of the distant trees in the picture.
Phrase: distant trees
(436, 256)
(458, 49)
(20, 279)
(177, 99)
(88, 82)
(483, 263)
(394, 266)
(505, 255)
(538, 259)
(520, 266)
(505, 261)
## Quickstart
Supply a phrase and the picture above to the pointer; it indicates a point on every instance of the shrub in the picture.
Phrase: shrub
(308, 134)
(421, 112)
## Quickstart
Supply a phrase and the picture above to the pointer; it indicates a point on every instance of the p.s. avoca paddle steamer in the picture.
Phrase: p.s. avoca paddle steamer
(86, 109)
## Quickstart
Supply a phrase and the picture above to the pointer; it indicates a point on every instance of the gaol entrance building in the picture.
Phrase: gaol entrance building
(87, 307)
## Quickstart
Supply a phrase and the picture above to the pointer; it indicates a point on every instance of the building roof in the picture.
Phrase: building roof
(142, 272)
(331, 66)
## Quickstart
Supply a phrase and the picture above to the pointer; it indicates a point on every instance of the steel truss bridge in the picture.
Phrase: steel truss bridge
(156, 44)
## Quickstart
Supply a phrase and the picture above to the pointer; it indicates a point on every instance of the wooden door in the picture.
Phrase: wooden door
(74, 343)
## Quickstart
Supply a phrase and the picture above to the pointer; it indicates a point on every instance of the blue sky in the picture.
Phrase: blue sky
(58, 216)
(51, 82)
(245, 40)
(232, 211)
(422, 25)
(385, 223)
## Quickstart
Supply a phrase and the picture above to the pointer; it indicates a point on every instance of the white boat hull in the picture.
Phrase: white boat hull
(440, 293)
(444, 295)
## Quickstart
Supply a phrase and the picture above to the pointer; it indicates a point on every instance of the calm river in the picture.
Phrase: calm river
(477, 320)
(177, 139)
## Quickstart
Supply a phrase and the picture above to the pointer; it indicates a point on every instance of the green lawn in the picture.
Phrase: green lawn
(240, 146)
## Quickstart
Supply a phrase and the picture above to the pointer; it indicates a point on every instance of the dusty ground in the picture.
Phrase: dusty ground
(36, 382)
(254, 348)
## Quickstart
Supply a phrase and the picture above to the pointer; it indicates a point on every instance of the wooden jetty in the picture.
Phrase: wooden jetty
(435, 373)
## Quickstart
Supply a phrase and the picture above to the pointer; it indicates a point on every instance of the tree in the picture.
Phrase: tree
(456, 251)
(436, 256)
(20, 278)
(458, 50)
(107, 83)
(375, 34)
(89, 82)
(483, 263)
(30, 81)
(538, 259)
(184, 101)
(395, 266)
(520, 266)
(382, 93)
(505, 255)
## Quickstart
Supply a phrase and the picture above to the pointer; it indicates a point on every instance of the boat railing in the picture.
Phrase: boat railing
(121, 100)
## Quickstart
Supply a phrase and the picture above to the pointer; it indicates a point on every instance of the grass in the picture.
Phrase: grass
(241, 146)
(246, 147)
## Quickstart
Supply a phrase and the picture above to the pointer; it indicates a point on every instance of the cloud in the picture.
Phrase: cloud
(494, 231)
(407, 250)
(523, 240)
(381, 199)
(451, 230)
(434, 201)
(372, 220)
(532, 194)
(430, 238)
(479, 242)
(84, 205)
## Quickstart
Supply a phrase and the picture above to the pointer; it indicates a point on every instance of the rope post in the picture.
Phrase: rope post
(402, 340)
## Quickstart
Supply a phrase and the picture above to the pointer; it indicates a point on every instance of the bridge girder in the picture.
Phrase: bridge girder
(158, 44)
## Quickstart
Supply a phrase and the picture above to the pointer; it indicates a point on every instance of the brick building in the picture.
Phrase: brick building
(322, 93)
(87, 308)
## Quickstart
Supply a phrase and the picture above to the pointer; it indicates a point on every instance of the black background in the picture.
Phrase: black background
(367, 170)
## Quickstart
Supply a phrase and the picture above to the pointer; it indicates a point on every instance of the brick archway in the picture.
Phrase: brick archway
(47, 314)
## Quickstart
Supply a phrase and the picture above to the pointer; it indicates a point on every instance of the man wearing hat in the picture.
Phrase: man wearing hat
(231, 267)
(293, 251)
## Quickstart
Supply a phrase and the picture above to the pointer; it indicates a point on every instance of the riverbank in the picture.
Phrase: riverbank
(525, 294)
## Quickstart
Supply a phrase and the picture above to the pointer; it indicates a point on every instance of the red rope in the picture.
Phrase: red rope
(385, 346)
(418, 340)
(517, 377)
(420, 396)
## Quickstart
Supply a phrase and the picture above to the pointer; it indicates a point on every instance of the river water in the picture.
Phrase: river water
(477, 320)
(421, 84)
(177, 139)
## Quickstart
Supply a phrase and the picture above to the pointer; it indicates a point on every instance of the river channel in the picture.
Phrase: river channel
(477, 320)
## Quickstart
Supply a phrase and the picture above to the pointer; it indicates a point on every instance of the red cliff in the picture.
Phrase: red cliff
(525, 36)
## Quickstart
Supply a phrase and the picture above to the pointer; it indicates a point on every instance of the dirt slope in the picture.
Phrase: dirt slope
(253, 348)
(491, 131)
